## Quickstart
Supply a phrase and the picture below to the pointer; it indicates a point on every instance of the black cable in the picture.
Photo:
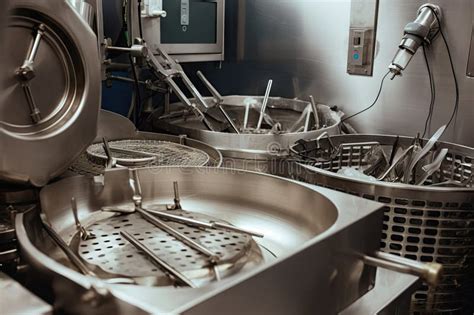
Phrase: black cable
(375, 101)
(138, 98)
(456, 85)
(433, 94)
(140, 18)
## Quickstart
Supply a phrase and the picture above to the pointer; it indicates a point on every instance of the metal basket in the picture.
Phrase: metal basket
(423, 223)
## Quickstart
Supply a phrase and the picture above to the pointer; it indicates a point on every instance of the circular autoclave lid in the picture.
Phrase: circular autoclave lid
(51, 90)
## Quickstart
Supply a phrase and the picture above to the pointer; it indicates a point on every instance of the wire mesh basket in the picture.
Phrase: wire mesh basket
(428, 223)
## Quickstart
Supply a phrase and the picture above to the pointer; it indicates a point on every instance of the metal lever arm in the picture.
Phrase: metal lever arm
(26, 73)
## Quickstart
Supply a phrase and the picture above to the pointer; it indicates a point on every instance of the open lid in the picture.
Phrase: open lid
(51, 89)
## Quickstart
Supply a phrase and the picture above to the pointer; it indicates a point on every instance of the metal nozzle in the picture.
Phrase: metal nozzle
(417, 33)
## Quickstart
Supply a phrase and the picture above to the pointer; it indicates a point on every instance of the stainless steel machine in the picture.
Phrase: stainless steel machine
(134, 239)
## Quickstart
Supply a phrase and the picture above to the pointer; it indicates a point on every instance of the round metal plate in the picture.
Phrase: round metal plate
(113, 254)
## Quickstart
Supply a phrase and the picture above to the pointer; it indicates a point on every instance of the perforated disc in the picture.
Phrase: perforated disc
(167, 154)
(114, 254)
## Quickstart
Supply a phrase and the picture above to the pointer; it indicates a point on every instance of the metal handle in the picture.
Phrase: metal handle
(429, 272)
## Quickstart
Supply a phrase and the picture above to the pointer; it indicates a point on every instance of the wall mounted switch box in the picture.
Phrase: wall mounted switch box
(362, 31)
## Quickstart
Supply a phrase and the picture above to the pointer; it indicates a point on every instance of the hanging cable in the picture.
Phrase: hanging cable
(433, 94)
(456, 85)
(373, 104)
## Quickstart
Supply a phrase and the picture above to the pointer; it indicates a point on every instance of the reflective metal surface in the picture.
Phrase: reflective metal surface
(314, 245)
(52, 98)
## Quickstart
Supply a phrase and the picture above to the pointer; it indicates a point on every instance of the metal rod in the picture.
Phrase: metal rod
(194, 91)
(83, 233)
(429, 272)
(111, 161)
(36, 43)
(177, 201)
(133, 152)
(229, 120)
(307, 120)
(134, 182)
(210, 87)
(246, 116)
(187, 221)
(178, 235)
(315, 112)
(218, 99)
(157, 260)
(182, 97)
(264, 103)
(180, 219)
(34, 110)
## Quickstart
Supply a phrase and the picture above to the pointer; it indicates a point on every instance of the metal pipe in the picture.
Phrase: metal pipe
(157, 260)
(264, 104)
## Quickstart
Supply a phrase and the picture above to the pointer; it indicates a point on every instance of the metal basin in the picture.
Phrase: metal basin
(246, 150)
(313, 235)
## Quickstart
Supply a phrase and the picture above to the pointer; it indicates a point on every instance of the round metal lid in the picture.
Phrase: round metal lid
(52, 90)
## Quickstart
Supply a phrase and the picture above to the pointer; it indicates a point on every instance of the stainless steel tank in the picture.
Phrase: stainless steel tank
(312, 257)
(251, 150)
